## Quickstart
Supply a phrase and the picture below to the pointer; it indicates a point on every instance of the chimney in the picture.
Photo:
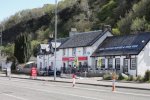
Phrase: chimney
(73, 32)
(106, 28)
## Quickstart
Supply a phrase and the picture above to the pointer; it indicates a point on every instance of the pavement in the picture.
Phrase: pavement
(95, 81)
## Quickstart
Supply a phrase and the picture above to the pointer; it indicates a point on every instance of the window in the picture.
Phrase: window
(84, 50)
(110, 63)
(73, 51)
(133, 64)
(117, 64)
(125, 67)
(103, 63)
(96, 64)
(64, 52)
(67, 52)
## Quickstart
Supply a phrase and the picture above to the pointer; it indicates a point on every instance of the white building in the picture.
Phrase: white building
(80, 46)
(59, 42)
(45, 57)
(128, 54)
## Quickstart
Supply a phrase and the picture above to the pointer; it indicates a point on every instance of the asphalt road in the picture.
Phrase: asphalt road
(22, 89)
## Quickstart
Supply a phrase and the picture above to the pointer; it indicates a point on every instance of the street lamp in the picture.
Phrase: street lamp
(55, 39)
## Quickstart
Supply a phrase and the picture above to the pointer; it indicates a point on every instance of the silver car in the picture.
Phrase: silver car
(26, 68)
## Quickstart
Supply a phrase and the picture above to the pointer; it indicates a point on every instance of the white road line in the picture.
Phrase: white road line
(74, 95)
(19, 98)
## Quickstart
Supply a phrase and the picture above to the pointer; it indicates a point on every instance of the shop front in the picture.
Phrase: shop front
(81, 63)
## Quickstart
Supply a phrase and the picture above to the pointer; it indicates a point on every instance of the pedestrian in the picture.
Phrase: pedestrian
(113, 81)
(8, 68)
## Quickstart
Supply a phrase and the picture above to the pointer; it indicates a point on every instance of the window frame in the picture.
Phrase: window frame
(84, 50)
(73, 51)
(131, 64)
(103, 63)
(116, 64)
(110, 64)
(64, 52)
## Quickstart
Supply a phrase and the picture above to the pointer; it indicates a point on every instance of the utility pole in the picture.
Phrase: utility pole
(55, 39)
(1, 36)
(1, 33)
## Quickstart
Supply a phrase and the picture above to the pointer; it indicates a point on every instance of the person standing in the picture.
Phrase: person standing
(8, 68)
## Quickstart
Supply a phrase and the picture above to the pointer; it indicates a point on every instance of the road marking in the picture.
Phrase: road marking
(74, 95)
(20, 98)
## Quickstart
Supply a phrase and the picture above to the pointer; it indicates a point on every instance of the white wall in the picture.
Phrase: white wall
(44, 60)
(131, 72)
(58, 60)
(143, 60)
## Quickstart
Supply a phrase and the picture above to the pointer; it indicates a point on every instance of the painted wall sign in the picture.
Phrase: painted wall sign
(73, 58)
(120, 47)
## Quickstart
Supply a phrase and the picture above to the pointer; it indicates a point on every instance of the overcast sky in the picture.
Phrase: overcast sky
(10, 7)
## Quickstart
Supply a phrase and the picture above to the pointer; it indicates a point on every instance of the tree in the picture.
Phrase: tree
(7, 50)
(22, 50)
(139, 24)
(125, 23)
(34, 46)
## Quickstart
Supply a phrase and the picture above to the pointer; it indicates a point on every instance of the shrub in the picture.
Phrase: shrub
(107, 76)
(122, 77)
(147, 76)
(132, 78)
(139, 78)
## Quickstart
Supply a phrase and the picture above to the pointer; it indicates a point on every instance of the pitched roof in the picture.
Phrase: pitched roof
(61, 40)
(123, 45)
(82, 39)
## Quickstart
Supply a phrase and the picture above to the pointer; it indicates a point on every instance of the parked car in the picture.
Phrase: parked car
(26, 68)
(43, 72)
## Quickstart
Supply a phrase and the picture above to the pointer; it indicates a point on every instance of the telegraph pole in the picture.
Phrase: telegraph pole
(55, 39)
(1, 36)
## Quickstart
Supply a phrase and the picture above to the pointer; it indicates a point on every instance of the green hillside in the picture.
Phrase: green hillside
(125, 16)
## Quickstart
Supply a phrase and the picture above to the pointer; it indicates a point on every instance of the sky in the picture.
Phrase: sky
(10, 7)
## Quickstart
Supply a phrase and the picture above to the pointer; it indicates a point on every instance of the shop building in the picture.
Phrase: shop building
(129, 54)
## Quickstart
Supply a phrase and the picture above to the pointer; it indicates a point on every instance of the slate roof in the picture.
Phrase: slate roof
(82, 39)
(123, 45)
(61, 40)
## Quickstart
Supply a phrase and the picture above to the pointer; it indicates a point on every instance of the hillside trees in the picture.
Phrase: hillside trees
(86, 15)
(22, 50)
(134, 20)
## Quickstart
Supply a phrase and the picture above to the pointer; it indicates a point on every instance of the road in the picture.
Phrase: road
(23, 89)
